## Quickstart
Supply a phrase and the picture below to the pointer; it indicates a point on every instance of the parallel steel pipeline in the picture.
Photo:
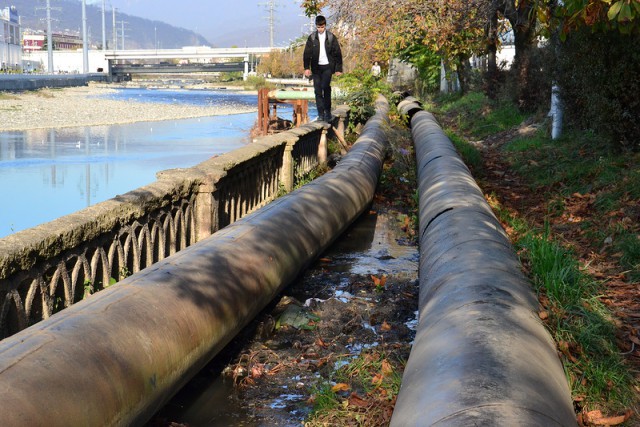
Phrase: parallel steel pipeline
(117, 357)
(481, 354)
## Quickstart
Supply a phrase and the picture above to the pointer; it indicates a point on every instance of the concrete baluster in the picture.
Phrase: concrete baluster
(287, 166)
(322, 148)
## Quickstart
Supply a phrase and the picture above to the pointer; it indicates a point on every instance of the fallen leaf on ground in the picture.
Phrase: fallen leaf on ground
(596, 418)
(386, 368)
(340, 387)
(356, 400)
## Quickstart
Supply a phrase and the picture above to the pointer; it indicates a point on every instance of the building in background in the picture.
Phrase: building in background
(10, 43)
(35, 51)
(33, 41)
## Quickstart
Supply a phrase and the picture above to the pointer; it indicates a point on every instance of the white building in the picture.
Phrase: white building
(66, 61)
(10, 44)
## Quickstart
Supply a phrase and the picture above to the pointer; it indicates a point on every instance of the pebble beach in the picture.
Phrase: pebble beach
(82, 106)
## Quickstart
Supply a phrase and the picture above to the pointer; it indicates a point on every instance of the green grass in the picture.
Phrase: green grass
(475, 114)
(628, 244)
(372, 377)
(468, 152)
(579, 162)
(580, 321)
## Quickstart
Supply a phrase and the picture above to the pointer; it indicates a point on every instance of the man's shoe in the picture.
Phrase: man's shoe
(328, 118)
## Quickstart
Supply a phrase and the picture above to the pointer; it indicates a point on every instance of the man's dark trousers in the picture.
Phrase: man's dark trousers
(322, 89)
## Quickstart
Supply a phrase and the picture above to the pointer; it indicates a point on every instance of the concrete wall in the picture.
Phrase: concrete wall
(66, 62)
(17, 82)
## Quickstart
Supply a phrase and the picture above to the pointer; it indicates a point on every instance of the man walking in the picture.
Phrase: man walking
(322, 57)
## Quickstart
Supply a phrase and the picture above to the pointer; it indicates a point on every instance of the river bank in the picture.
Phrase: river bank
(85, 106)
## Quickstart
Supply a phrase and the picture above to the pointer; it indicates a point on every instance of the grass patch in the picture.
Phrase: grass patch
(362, 393)
(477, 115)
(580, 323)
(467, 151)
(6, 96)
(578, 162)
(593, 199)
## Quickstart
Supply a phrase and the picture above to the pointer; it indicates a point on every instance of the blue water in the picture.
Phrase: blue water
(48, 173)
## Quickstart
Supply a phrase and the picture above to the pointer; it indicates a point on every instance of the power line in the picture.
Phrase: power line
(49, 35)
(271, 7)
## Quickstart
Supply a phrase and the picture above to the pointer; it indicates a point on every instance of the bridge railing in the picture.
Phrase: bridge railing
(52, 266)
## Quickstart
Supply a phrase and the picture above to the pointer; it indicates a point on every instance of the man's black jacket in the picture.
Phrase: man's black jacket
(312, 52)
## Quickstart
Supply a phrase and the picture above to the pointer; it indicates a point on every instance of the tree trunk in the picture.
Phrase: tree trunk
(491, 78)
(463, 73)
(522, 20)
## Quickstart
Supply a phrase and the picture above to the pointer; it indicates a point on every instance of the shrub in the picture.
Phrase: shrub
(599, 76)
(361, 88)
(530, 86)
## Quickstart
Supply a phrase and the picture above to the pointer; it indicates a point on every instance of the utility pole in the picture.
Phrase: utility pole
(85, 45)
(272, 7)
(122, 36)
(104, 28)
(272, 19)
(115, 32)
(49, 38)
(49, 35)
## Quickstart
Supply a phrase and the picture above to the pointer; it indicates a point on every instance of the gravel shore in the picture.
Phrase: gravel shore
(80, 106)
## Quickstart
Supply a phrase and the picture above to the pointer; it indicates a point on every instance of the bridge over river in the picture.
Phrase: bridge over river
(199, 59)
(125, 62)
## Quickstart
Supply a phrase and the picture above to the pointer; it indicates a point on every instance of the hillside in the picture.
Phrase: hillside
(67, 16)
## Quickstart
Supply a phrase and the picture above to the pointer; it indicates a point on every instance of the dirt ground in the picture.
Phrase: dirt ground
(622, 295)
(277, 368)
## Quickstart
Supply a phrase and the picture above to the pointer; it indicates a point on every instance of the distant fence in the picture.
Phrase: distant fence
(50, 267)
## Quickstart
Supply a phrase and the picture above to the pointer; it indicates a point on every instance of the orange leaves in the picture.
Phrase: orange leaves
(385, 371)
(340, 387)
(379, 282)
(595, 418)
(566, 349)
(357, 401)
(385, 326)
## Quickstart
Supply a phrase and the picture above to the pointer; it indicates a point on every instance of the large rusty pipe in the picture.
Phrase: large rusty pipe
(481, 354)
(117, 357)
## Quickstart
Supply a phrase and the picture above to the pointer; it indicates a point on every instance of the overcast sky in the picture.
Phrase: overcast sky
(223, 22)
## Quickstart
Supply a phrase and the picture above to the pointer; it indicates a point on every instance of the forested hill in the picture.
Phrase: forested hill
(67, 16)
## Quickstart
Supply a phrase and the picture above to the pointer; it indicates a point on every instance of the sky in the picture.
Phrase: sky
(223, 23)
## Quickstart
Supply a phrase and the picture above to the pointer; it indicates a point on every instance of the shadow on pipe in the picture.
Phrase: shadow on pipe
(117, 357)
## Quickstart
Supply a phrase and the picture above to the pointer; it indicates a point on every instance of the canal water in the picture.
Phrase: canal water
(49, 173)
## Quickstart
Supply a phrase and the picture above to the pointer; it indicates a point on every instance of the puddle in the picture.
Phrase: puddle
(370, 247)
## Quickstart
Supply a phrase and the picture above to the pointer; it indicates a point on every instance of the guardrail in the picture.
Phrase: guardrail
(52, 266)
(481, 355)
(117, 357)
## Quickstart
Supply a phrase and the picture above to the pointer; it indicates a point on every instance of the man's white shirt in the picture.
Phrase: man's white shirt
(324, 59)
